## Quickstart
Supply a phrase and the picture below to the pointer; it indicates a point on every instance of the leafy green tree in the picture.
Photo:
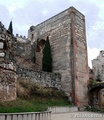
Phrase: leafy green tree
(10, 28)
(47, 57)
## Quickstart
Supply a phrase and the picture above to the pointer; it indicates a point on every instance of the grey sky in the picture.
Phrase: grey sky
(25, 13)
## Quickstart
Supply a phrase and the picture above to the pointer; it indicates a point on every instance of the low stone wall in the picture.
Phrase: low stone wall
(26, 116)
(62, 109)
(45, 78)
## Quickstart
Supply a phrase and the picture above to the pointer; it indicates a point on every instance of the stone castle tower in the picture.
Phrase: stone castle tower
(67, 37)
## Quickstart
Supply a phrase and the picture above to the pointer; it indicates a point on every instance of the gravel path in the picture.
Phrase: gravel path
(78, 116)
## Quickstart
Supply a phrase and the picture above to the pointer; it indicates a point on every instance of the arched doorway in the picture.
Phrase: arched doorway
(39, 52)
(96, 95)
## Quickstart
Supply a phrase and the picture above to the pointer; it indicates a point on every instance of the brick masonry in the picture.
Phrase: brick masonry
(67, 36)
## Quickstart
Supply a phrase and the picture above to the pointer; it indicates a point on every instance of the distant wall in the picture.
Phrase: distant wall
(21, 38)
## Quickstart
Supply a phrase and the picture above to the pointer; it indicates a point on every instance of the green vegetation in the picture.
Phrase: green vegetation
(92, 109)
(93, 82)
(10, 29)
(34, 97)
(35, 105)
(47, 58)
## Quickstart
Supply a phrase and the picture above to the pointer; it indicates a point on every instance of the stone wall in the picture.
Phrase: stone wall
(101, 94)
(7, 67)
(67, 37)
(7, 84)
(45, 78)
(21, 38)
(25, 54)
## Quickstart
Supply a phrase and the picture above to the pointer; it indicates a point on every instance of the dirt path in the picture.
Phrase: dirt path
(78, 116)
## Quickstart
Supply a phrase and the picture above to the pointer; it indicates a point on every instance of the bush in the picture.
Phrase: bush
(93, 82)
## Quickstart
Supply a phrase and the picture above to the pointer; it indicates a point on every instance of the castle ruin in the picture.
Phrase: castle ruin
(98, 71)
(67, 35)
(98, 66)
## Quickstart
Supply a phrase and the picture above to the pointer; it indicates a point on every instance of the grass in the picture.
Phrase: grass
(35, 105)
(34, 98)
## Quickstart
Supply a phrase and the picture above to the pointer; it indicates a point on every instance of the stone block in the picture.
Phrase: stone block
(1, 45)
(2, 54)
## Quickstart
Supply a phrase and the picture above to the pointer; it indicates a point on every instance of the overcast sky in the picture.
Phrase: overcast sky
(25, 13)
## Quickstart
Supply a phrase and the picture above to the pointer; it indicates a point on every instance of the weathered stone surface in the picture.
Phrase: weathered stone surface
(25, 54)
(45, 78)
(98, 71)
(81, 61)
(101, 98)
(7, 85)
(7, 67)
(98, 66)
(2, 54)
(1, 45)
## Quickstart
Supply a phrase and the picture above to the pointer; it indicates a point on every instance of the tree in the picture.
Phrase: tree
(47, 58)
(10, 28)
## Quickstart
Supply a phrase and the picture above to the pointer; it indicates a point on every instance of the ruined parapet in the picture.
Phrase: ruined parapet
(21, 38)
(7, 67)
